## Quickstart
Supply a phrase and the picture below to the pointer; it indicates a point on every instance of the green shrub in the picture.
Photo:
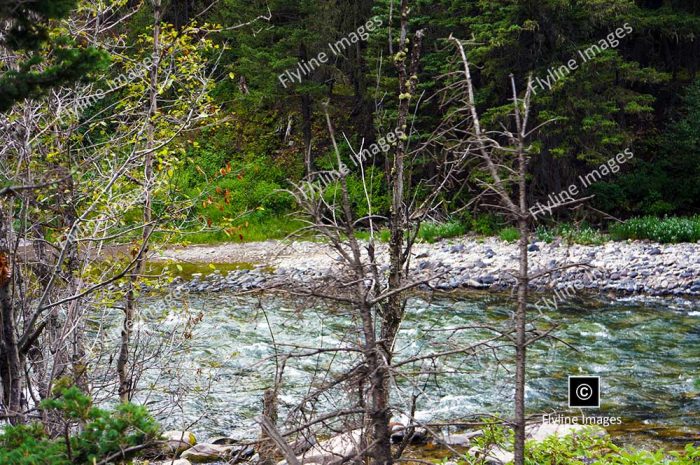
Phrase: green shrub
(585, 448)
(509, 234)
(101, 433)
(486, 224)
(581, 449)
(432, 232)
(542, 233)
(583, 234)
(664, 230)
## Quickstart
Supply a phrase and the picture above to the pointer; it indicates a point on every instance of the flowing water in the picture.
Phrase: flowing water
(647, 354)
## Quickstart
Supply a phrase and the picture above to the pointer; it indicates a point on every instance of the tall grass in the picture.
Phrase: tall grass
(277, 227)
(664, 230)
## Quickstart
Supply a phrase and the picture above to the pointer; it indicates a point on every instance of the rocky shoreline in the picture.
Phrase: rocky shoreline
(626, 268)
(182, 448)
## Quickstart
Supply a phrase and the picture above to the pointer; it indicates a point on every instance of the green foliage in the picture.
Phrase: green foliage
(486, 224)
(666, 230)
(590, 449)
(607, 104)
(100, 433)
(509, 234)
(30, 445)
(248, 229)
(571, 449)
(544, 234)
(581, 234)
(433, 232)
(585, 448)
(573, 234)
(668, 182)
(47, 56)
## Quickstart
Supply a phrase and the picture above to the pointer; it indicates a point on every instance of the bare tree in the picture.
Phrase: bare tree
(374, 295)
(502, 156)
(67, 185)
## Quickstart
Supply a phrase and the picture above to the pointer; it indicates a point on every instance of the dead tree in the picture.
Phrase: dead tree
(377, 299)
(502, 156)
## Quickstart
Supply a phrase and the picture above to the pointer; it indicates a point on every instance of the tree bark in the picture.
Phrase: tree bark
(10, 365)
(523, 216)
(10, 356)
(521, 344)
(306, 118)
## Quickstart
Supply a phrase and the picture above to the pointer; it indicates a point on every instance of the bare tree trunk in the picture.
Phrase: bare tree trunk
(10, 365)
(376, 357)
(521, 344)
(523, 276)
(10, 358)
(378, 406)
(125, 377)
(379, 362)
(306, 118)
(266, 446)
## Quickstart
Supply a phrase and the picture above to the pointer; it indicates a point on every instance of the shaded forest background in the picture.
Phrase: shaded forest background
(643, 95)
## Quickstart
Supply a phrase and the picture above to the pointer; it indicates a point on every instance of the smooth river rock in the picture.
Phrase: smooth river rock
(332, 450)
(492, 456)
(202, 453)
(178, 441)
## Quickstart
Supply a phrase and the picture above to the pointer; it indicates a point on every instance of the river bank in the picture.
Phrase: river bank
(634, 267)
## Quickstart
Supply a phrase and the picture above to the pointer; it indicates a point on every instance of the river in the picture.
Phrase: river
(646, 352)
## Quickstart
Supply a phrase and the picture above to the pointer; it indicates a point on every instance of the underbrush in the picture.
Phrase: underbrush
(664, 230)
(104, 435)
(253, 230)
(433, 232)
(585, 448)
(263, 227)
(572, 234)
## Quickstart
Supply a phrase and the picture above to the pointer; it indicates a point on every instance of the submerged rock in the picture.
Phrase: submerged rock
(223, 441)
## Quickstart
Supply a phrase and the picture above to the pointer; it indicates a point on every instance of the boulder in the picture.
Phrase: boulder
(420, 435)
(475, 284)
(303, 444)
(459, 439)
(493, 456)
(178, 441)
(332, 450)
(202, 453)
